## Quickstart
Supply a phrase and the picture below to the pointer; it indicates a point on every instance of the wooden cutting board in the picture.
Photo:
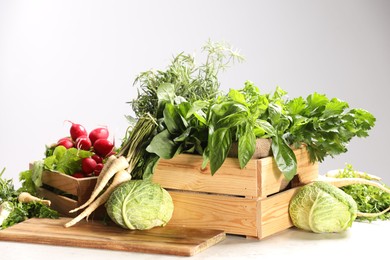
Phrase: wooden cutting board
(95, 234)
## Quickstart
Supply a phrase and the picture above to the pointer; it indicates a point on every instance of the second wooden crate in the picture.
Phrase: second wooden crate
(252, 201)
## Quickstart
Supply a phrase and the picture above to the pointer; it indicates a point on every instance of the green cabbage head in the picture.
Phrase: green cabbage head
(321, 207)
(140, 204)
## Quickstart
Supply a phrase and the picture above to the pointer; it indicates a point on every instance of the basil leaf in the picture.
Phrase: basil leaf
(246, 146)
(284, 157)
(219, 146)
(236, 96)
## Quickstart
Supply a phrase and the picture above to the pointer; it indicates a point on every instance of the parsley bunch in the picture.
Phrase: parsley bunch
(20, 211)
(369, 199)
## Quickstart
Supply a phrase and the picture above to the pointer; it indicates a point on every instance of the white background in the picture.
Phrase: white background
(76, 60)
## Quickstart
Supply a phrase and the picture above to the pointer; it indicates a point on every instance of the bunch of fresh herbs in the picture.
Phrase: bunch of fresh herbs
(194, 116)
(190, 80)
(20, 211)
(369, 199)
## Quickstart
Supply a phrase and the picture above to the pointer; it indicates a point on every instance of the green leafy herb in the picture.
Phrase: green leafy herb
(369, 199)
(184, 78)
(18, 211)
(194, 116)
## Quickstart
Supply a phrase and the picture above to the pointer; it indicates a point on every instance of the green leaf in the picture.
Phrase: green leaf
(166, 92)
(296, 106)
(334, 107)
(162, 145)
(236, 96)
(149, 167)
(284, 157)
(316, 103)
(197, 107)
(36, 173)
(246, 146)
(233, 120)
(70, 161)
(219, 147)
(173, 119)
(67, 161)
(269, 129)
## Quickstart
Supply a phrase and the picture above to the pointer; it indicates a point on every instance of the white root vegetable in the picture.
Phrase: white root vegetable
(115, 165)
(120, 165)
(120, 177)
(25, 197)
(372, 215)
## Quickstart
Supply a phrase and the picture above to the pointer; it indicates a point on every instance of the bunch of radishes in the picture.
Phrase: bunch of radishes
(96, 142)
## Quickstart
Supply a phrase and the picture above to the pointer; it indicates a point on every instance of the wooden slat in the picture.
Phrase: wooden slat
(95, 234)
(184, 172)
(273, 213)
(232, 214)
(68, 183)
(59, 203)
(273, 181)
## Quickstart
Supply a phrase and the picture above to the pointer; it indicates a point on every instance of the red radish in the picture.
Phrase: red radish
(98, 133)
(78, 175)
(97, 158)
(83, 143)
(77, 130)
(98, 169)
(66, 142)
(88, 165)
(103, 147)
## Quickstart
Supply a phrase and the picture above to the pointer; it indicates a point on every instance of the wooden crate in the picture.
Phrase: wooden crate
(73, 192)
(252, 201)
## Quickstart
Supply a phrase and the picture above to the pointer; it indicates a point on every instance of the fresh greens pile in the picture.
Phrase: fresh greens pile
(66, 161)
(368, 198)
(195, 117)
(16, 211)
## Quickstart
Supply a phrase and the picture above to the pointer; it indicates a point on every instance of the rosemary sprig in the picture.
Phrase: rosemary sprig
(190, 81)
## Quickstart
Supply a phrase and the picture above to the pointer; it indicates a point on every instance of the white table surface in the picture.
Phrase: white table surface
(360, 241)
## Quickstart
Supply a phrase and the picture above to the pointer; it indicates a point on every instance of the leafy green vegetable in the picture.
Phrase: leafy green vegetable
(139, 204)
(321, 207)
(325, 125)
(195, 116)
(368, 198)
(67, 161)
(16, 211)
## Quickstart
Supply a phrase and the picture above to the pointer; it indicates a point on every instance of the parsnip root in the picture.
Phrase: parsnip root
(116, 165)
(25, 197)
(120, 177)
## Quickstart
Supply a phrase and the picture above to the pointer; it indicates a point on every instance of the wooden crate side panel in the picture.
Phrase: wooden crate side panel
(85, 188)
(272, 180)
(273, 213)
(60, 181)
(184, 172)
(64, 204)
(59, 203)
(82, 188)
(232, 214)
